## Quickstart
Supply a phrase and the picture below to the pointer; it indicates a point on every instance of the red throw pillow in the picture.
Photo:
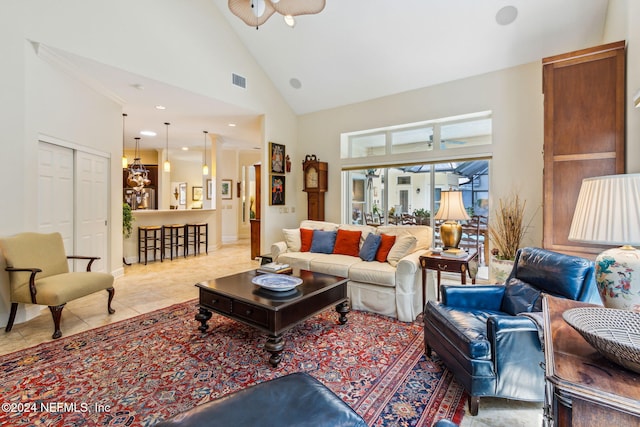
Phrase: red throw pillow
(347, 242)
(386, 243)
(306, 237)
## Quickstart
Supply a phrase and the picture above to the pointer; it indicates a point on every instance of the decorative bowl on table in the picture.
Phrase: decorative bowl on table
(615, 333)
(276, 282)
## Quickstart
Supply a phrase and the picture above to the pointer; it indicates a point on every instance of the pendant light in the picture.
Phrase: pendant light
(205, 167)
(125, 162)
(138, 175)
(167, 165)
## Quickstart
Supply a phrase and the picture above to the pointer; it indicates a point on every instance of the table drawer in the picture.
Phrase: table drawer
(437, 264)
(215, 302)
(256, 315)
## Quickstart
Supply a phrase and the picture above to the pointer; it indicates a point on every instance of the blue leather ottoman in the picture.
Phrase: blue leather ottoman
(292, 400)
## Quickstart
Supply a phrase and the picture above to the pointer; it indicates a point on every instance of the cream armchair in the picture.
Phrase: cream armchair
(39, 274)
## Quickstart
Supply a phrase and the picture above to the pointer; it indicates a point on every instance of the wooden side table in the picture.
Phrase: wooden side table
(440, 263)
(583, 388)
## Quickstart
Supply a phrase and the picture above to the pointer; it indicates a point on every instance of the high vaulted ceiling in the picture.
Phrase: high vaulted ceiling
(356, 50)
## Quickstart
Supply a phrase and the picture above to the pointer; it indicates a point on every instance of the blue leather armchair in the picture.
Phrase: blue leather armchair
(481, 334)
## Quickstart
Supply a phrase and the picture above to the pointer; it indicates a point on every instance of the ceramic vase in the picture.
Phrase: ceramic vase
(617, 277)
(499, 269)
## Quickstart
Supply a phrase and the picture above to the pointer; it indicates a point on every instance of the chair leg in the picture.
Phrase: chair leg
(111, 293)
(12, 316)
(428, 350)
(474, 402)
(56, 313)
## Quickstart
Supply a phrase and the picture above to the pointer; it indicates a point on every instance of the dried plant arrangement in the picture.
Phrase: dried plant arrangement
(507, 227)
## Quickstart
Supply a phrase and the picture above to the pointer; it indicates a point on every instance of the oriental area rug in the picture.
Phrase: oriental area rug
(142, 370)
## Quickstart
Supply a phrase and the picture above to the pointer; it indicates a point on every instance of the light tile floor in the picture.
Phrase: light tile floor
(146, 288)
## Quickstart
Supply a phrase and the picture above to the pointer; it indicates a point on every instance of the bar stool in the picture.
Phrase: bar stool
(149, 239)
(173, 238)
(198, 234)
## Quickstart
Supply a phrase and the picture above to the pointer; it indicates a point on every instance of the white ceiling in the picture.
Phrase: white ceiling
(357, 50)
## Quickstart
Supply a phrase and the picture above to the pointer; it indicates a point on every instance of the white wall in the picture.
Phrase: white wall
(514, 96)
(187, 44)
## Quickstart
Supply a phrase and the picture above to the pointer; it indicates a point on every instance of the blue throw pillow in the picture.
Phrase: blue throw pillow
(323, 241)
(370, 247)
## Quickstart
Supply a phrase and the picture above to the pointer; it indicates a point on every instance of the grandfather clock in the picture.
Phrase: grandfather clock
(315, 185)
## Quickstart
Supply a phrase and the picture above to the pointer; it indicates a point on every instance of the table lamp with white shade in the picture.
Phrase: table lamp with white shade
(451, 210)
(608, 213)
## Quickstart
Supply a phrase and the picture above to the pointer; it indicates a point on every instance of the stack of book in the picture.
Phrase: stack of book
(454, 253)
(275, 267)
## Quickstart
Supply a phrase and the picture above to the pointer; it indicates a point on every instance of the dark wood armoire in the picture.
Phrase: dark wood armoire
(584, 133)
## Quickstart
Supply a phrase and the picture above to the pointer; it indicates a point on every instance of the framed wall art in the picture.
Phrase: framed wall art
(226, 189)
(277, 157)
(196, 194)
(277, 190)
(182, 193)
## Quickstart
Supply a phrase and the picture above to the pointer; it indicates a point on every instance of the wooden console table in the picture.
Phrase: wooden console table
(584, 389)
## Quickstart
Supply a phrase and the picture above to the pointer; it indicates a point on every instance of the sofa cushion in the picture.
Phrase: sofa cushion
(421, 232)
(403, 246)
(519, 297)
(365, 229)
(377, 273)
(334, 264)
(323, 241)
(386, 243)
(465, 328)
(299, 260)
(306, 237)
(292, 239)
(370, 247)
(319, 225)
(347, 242)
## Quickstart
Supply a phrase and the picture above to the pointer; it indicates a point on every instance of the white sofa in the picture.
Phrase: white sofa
(392, 288)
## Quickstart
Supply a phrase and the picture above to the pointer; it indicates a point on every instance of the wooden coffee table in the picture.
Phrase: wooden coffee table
(271, 311)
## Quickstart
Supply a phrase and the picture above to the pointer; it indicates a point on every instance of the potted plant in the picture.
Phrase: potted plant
(422, 216)
(506, 231)
(127, 220)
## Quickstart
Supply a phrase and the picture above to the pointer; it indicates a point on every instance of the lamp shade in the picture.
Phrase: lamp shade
(451, 206)
(608, 211)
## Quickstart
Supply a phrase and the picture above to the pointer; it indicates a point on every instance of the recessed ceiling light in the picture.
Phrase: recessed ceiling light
(506, 15)
(290, 20)
(185, 148)
(160, 107)
(138, 86)
(295, 83)
(232, 125)
(147, 133)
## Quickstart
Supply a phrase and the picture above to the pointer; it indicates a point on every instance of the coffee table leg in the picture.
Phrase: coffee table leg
(203, 317)
(343, 309)
(274, 345)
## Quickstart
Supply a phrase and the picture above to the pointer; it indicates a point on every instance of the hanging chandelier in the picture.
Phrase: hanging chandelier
(138, 174)
(256, 12)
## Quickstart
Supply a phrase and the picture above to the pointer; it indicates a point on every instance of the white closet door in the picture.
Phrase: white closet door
(73, 200)
(92, 200)
(55, 192)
